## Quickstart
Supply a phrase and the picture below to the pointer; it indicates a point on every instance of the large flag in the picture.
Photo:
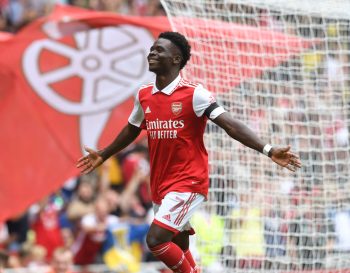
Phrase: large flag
(68, 80)
(5, 36)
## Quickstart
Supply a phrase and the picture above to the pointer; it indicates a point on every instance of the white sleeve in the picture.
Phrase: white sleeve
(202, 99)
(137, 116)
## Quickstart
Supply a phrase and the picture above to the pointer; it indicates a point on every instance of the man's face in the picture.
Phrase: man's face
(62, 263)
(163, 56)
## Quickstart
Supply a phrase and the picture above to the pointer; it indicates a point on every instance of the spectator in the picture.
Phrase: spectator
(35, 258)
(111, 175)
(92, 233)
(137, 160)
(209, 237)
(340, 226)
(3, 260)
(18, 229)
(248, 232)
(4, 235)
(62, 261)
(275, 237)
(47, 227)
(14, 12)
(307, 247)
(132, 202)
(83, 203)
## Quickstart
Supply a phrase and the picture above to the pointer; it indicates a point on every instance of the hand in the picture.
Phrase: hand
(140, 175)
(283, 157)
(89, 162)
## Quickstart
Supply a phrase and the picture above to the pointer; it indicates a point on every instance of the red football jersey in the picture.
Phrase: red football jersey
(175, 124)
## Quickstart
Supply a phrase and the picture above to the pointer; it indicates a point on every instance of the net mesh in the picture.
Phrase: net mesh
(283, 69)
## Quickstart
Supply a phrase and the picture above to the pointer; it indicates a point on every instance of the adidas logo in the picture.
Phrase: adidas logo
(148, 110)
(167, 217)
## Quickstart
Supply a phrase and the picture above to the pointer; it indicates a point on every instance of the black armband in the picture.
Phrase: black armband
(210, 109)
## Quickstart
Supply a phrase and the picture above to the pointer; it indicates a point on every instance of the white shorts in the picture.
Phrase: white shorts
(176, 210)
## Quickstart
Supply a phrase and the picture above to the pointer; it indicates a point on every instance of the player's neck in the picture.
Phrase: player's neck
(163, 81)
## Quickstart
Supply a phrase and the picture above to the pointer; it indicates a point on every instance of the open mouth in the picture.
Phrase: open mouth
(152, 61)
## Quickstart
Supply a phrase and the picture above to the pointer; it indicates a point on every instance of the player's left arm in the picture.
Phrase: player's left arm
(240, 132)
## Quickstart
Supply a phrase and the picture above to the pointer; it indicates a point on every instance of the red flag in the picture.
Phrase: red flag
(4, 36)
(234, 52)
(68, 80)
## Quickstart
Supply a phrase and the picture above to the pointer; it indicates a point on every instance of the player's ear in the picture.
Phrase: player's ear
(177, 59)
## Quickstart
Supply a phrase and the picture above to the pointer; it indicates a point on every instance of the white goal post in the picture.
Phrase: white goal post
(282, 68)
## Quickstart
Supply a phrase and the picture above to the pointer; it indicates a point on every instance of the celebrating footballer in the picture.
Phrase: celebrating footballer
(174, 112)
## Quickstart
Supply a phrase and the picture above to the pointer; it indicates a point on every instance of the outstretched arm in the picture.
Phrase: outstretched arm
(240, 132)
(95, 158)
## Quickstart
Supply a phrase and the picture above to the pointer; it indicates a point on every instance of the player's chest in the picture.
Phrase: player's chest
(167, 107)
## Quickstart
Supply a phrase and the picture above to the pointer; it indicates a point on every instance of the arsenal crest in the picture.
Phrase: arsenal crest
(176, 107)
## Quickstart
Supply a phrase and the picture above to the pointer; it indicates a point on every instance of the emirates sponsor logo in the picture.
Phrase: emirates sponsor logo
(164, 124)
(164, 129)
(176, 108)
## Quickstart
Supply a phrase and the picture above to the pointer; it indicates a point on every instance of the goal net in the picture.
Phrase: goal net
(282, 68)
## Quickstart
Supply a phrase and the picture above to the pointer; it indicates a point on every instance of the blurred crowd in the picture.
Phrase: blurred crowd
(14, 14)
(87, 218)
(274, 220)
(102, 217)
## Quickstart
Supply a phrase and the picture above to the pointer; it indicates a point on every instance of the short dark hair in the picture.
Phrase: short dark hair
(180, 42)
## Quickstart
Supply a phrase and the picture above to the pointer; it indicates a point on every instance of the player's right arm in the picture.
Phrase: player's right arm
(129, 133)
(94, 158)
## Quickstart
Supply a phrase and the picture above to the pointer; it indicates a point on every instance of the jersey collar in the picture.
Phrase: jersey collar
(169, 89)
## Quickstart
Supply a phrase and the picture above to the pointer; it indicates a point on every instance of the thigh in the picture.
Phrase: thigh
(182, 239)
(158, 235)
(176, 210)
